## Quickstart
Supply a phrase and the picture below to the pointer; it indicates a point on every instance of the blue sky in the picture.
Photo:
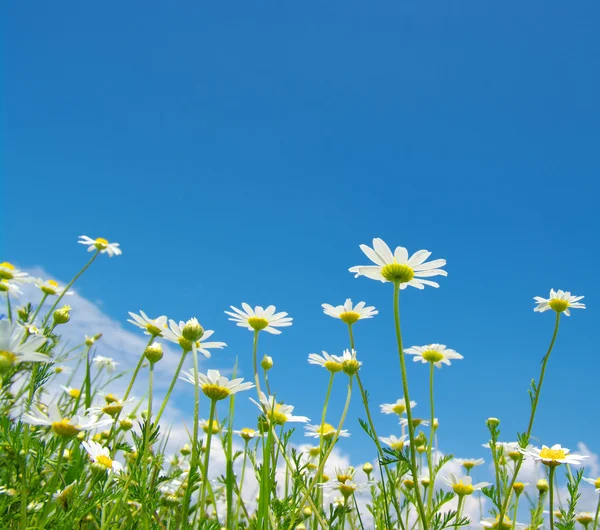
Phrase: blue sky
(242, 151)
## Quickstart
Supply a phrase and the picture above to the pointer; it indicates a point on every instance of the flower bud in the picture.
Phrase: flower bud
(492, 423)
(154, 352)
(126, 424)
(23, 313)
(518, 487)
(368, 468)
(266, 363)
(192, 330)
(425, 481)
(110, 398)
(185, 450)
(62, 315)
(306, 511)
(542, 485)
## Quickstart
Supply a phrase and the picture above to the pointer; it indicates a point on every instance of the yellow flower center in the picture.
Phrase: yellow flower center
(394, 272)
(558, 305)
(64, 428)
(3, 286)
(101, 243)
(399, 409)
(519, 487)
(597, 483)
(505, 525)
(408, 483)
(7, 359)
(110, 398)
(468, 465)
(106, 461)
(314, 451)
(153, 330)
(278, 417)
(552, 455)
(74, 393)
(343, 477)
(49, 287)
(333, 366)
(397, 446)
(247, 434)
(347, 489)
(215, 392)
(462, 489)
(257, 323)
(350, 317)
(215, 427)
(113, 408)
(5, 270)
(327, 431)
(432, 356)
(311, 467)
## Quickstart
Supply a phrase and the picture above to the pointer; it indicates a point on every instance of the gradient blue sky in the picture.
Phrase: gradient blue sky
(241, 151)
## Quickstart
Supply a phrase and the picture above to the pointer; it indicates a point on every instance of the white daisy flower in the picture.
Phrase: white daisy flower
(594, 482)
(175, 334)
(348, 314)
(326, 431)
(494, 524)
(464, 485)
(65, 427)
(416, 422)
(278, 413)
(51, 288)
(397, 444)
(347, 488)
(71, 392)
(559, 301)
(333, 363)
(584, 518)
(112, 408)
(350, 365)
(470, 463)
(9, 272)
(247, 434)
(105, 362)
(258, 318)
(10, 288)
(215, 386)
(14, 350)
(437, 354)
(101, 457)
(398, 267)
(151, 326)
(553, 456)
(101, 244)
(398, 408)
(62, 369)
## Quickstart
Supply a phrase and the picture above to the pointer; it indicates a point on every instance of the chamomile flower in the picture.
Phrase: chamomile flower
(416, 422)
(399, 267)
(347, 488)
(101, 244)
(594, 482)
(398, 408)
(247, 434)
(151, 326)
(350, 365)
(112, 408)
(553, 456)
(101, 457)
(437, 354)
(65, 427)
(105, 362)
(14, 350)
(51, 288)
(258, 318)
(464, 485)
(397, 444)
(215, 427)
(215, 386)
(345, 475)
(559, 301)
(494, 524)
(277, 413)
(9, 272)
(175, 334)
(470, 463)
(71, 392)
(584, 518)
(333, 363)
(348, 314)
(325, 431)
(10, 288)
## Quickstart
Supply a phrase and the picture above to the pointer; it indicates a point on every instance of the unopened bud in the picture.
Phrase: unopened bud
(154, 352)
(185, 450)
(542, 485)
(62, 315)
(266, 363)
(368, 468)
(192, 330)
(126, 424)
(492, 423)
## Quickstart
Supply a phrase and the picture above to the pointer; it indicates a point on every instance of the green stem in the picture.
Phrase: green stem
(211, 417)
(458, 509)
(411, 428)
(172, 386)
(45, 295)
(551, 495)
(514, 522)
(430, 446)
(239, 504)
(597, 514)
(533, 409)
(147, 437)
(194, 457)
(256, 378)
(65, 290)
(54, 480)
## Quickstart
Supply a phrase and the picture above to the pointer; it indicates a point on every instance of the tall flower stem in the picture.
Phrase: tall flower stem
(411, 428)
(172, 385)
(430, 445)
(551, 495)
(240, 502)
(254, 349)
(66, 289)
(194, 457)
(8, 307)
(458, 509)
(54, 480)
(147, 429)
(37, 310)
(365, 401)
(211, 417)
(533, 410)
(514, 522)
(597, 515)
